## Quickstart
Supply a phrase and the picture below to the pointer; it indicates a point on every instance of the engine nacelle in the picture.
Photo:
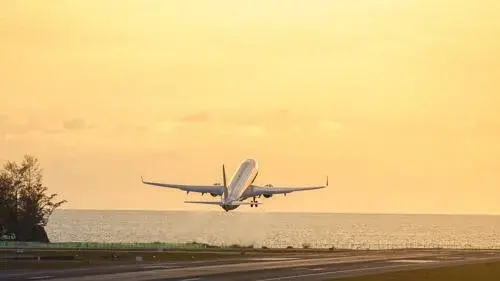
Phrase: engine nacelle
(213, 194)
(268, 185)
(217, 184)
(267, 195)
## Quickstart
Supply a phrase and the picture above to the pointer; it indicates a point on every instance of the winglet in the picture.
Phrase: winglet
(326, 180)
(226, 191)
(224, 175)
(142, 179)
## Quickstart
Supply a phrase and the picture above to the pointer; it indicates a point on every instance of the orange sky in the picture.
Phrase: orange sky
(398, 101)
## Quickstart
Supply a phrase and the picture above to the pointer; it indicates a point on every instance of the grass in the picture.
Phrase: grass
(45, 265)
(471, 272)
(60, 259)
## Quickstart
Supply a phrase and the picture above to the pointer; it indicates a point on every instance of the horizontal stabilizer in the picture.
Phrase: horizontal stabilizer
(245, 203)
(204, 202)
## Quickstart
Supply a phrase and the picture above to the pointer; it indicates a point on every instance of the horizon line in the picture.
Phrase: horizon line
(284, 212)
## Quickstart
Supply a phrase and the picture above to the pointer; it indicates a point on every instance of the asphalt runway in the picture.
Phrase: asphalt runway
(319, 266)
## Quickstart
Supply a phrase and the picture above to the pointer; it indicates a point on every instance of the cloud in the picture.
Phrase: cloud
(200, 117)
(235, 123)
(75, 124)
(239, 130)
(37, 125)
(281, 113)
(18, 128)
(278, 120)
(3, 118)
(53, 131)
(328, 126)
(252, 131)
(165, 126)
(132, 127)
(171, 125)
(182, 123)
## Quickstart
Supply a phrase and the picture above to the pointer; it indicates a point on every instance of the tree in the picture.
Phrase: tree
(9, 188)
(26, 206)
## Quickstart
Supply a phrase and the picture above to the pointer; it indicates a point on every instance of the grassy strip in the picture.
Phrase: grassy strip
(45, 265)
(470, 272)
(75, 259)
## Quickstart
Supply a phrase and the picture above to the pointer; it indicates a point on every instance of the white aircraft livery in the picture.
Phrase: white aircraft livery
(240, 188)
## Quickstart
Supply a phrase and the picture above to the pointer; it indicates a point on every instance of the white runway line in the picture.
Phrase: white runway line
(159, 266)
(333, 272)
(413, 261)
(39, 277)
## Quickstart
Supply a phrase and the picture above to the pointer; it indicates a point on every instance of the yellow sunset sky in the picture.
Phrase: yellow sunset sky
(397, 101)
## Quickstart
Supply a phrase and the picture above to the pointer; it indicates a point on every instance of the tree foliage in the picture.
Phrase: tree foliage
(25, 204)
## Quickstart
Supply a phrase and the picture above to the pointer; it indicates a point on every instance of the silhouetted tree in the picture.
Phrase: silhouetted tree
(9, 190)
(25, 205)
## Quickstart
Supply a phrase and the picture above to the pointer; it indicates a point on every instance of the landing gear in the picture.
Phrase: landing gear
(252, 203)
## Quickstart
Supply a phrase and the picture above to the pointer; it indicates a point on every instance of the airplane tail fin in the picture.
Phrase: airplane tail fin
(226, 190)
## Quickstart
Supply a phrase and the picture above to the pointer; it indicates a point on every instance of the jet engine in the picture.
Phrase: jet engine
(268, 195)
(216, 184)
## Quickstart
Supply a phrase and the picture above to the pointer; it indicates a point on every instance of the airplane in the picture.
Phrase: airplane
(240, 188)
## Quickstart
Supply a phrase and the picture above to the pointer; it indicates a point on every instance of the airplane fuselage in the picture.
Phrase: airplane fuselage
(240, 183)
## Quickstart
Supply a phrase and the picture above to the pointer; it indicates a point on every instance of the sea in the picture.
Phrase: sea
(319, 230)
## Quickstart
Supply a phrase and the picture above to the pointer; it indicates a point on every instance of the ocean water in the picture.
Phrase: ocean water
(277, 229)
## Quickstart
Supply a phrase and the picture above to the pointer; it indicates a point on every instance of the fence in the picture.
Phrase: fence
(94, 245)
(194, 245)
(410, 245)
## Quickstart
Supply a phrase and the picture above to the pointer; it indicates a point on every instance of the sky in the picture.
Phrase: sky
(398, 102)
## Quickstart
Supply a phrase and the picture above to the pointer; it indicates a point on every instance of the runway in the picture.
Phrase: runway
(319, 266)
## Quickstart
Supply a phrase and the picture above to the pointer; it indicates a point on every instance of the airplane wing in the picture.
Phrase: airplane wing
(272, 190)
(213, 189)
